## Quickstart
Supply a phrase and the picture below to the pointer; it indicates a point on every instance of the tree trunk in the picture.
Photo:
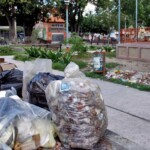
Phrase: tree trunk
(28, 30)
(78, 29)
(12, 29)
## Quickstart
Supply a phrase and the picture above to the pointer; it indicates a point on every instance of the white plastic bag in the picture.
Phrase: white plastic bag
(31, 69)
(41, 128)
(28, 120)
(72, 70)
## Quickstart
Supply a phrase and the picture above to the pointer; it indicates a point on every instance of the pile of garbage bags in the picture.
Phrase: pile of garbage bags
(24, 123)
(69, 107)
(12, 78)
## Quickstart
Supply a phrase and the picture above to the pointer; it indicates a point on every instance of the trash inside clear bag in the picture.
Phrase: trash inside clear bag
(28, 120)
(78, 110)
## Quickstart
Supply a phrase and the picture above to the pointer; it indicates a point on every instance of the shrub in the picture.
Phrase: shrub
(80, 63)
(54, 56)
(111, 54)
(92, 47)
(33, 51)
(75, 40)
(59, 66)
(6, 50)
(107, 48)
(111, 65)
(66, 58)
(80, 48)
(22, 57)
(49, 54)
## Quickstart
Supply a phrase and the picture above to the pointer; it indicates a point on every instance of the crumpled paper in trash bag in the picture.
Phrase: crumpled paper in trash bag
(21, 122)
(78, 110)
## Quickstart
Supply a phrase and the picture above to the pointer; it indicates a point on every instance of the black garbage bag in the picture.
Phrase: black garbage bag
(12, 78)
(36, 88)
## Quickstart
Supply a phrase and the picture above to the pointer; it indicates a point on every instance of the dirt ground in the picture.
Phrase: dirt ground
(131, 64)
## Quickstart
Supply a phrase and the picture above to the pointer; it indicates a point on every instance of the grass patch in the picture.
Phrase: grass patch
(92, 48)
(111, 54)
(6, 50)
(94, 75)
(59, 66)
(23, 57)
(80, 63)
(111, 65)
(82, 56)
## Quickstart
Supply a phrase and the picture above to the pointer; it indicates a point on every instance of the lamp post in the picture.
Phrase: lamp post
(119, 3)
(125, 26)
(15, 24)
(136, 20)
(67, 4)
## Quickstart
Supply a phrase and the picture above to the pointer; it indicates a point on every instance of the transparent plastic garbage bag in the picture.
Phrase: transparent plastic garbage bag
(21, 121)
(78, 111)
(31, 68)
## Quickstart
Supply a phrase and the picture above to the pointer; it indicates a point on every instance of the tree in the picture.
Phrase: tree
(128, 9)
(76, 9)
(14, 8)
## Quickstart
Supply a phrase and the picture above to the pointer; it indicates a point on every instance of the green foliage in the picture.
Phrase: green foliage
(92, 47)
(111, 54)
(77, 44)
(22, 57)
(6, 50)
(91, 24)
(133, 85)
(59, 66)
(82, 56)
(33, 51)
(80, 63)
(80, 48)
(111, 65)
(93, 75)
(55, 56)
(75, 40)
(66, 58)
(107, 48)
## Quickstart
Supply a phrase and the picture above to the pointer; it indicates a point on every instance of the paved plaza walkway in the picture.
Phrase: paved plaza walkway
(128, 109)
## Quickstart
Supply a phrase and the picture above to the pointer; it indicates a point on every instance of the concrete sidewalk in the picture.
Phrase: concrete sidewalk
(128, 109)
(128, 112)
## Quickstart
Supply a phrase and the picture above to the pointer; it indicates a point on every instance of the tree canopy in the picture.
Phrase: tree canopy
(27, 12)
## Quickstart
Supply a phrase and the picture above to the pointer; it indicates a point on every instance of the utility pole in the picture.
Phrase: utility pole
(67, 4)
(136, 20)
(119, 12)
